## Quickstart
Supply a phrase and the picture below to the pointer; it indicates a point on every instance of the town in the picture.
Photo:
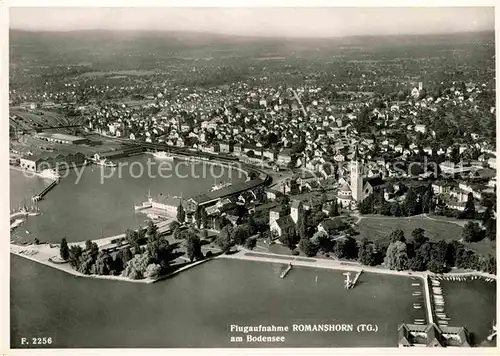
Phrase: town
(369, 164)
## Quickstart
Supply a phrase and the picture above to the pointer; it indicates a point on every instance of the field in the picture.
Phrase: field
(378, 228)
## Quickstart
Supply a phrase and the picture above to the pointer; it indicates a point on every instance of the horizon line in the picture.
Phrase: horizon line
(247, 35)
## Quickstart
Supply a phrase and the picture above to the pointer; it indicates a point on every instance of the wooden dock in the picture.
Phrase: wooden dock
(285, 272)
(356, 279)
(44, 191)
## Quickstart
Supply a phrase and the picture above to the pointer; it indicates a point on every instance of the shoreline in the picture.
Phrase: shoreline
(44, 252)
(66, 268)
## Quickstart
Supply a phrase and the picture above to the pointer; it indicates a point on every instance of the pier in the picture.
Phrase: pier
(428, 301)
(285, 272)
(493, 334)
(356, 279)
(40, 195)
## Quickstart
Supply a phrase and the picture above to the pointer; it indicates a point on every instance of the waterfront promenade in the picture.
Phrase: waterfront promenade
(244, 254)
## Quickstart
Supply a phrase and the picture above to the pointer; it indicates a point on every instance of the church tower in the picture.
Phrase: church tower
(356, 177)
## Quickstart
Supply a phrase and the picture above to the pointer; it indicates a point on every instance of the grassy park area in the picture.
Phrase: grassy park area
(378, 228)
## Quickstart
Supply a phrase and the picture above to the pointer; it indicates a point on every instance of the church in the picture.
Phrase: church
(349, 195)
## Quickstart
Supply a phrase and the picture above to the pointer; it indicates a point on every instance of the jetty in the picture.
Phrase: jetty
(356, 279)
(428, 303)
(285, 272)
(40, 195)
(493, 334)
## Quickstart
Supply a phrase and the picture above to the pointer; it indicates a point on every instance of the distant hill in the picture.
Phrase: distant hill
(187, 39)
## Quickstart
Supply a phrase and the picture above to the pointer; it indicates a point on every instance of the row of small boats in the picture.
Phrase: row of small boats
(462, 278)
(439, 303)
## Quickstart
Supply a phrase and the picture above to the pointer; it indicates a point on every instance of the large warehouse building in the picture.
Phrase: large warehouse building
(38, 163)
(61, 138)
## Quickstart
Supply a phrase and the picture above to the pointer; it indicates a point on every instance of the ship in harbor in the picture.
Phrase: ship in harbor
(50, 173)
(106, 163)
(163, 155)
(218, 186)
(145, 205)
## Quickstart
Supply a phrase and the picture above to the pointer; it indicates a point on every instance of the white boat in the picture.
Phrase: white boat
(50, 173)
(220, 186)
(16, 223)
(147, 204)
(106, 163)
(163, 155)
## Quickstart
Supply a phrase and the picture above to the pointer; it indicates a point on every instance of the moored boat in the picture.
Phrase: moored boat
(163, 155)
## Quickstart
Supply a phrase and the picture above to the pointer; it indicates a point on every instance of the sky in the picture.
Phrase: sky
(286, 22)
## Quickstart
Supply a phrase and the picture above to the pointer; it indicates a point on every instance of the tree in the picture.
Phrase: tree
(132, 238)
(396, 209)
(324, 243)
(152, 229)
(153, 270)
(86, 262)
(251, 243)
(424, 253)
(412, 203)
(487, 215)
(177, 233)
(427, 201)
(317, 218)
(471, 232)
(491, 229)
(241, 233)
(346, 248)
(104, 264)
(418, 238)
(225, 239)
(397, 235)
(193, 247)
(334, 209)
(416, 264)
(64, 250)
(470, 208)
(197, 216)
(75, 253)
(136, 267)
(439, 251)
(396, 257)
(181, 214)
(367, 254)
(94, 250)
(307, 246)
(350, 248)
(385, 208)
(122, 257)
(289, 239)
(436, 266)
(301, 223)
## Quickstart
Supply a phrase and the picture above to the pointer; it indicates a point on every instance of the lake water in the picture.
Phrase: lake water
(94, 207)
(197, 307)
(471, 304)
